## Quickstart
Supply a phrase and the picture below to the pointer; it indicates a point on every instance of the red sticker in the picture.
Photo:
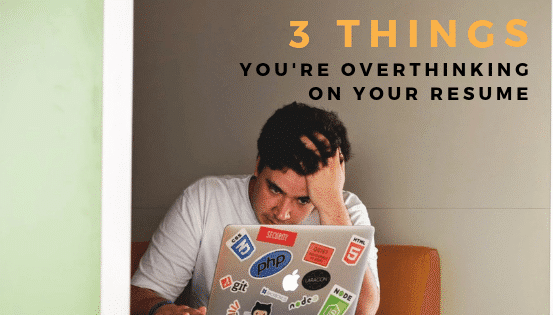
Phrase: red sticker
(276, 236)
(225, 282)
(318, 254)
(233, 308)
(355, 249)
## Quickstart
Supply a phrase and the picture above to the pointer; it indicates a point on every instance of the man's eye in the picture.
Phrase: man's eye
(303, 201)
(274, 190)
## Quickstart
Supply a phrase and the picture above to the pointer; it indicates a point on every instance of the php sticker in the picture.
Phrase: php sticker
(233, 308)
(318, 254)
(355, 249)
(270, 264)
(337, 302)
(241, 245)
(315, 279)
(276, 236)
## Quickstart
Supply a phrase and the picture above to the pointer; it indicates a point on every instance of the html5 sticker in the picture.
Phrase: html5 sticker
(241, 245)
(318, 254)
(355, 249)
(276, 236)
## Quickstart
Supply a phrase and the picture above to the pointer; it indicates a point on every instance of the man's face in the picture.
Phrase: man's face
(259, 312)
(280, 197)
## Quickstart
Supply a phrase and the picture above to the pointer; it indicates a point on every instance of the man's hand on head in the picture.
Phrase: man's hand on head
(326, 186)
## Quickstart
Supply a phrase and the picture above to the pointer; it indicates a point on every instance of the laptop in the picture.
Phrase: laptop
(290, 269)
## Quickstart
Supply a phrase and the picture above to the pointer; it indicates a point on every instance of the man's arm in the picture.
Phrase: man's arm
(142, 300)
(172, 250)
(326, 187)
(369, 297)
(326, 193)
(335, 213)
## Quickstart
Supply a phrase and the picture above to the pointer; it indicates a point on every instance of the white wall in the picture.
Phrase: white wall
(470, 178)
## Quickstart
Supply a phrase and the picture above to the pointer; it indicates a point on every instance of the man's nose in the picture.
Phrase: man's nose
(283, 210)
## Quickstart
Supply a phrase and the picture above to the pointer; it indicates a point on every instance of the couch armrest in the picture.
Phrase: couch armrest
(410, 280)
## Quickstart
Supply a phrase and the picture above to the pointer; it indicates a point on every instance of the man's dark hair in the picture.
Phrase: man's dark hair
(279, 146)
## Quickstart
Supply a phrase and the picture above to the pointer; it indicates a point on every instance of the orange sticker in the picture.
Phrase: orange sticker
(319, 254)
(355, 249)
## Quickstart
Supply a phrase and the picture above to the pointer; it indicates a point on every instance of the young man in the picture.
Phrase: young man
(298, 179)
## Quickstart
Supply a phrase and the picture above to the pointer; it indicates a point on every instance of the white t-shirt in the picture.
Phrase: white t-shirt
(186, 244)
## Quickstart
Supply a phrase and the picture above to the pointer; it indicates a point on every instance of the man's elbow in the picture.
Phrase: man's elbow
(369, 297)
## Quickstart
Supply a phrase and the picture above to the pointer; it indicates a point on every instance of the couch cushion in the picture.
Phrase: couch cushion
(410, 281)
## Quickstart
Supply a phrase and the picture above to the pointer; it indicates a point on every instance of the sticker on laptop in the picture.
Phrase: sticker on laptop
(276, 236)
(306, 300)
(290, 282)
(315, 279)
(337, 302)
(239, 286)
(275, 295)
(319, 254)
(270, 264)
(261, 309)
(241, 245)
(355, 249)
(235, 286)
(233, 308)
(226, 282)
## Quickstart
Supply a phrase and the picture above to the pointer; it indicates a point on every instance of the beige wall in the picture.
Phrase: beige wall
(470, 178)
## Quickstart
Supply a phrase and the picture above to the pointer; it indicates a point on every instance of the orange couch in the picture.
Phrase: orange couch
(410, 281)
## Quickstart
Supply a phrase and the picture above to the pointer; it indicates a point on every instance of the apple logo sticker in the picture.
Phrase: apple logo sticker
(290, 282)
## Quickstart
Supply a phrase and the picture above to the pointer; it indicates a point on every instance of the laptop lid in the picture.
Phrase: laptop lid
(289, 269)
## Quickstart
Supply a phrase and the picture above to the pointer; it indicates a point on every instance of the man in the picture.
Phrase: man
(298, 179)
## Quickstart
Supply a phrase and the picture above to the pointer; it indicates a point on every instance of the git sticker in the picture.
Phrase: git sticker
(355, 249)
(337, 302)
(241, 245)
(318, 254)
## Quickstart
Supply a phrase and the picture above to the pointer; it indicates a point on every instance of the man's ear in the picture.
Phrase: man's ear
(342, 161)
(256, 173)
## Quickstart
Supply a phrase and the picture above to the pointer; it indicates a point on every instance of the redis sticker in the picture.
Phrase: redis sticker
(276, 236)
